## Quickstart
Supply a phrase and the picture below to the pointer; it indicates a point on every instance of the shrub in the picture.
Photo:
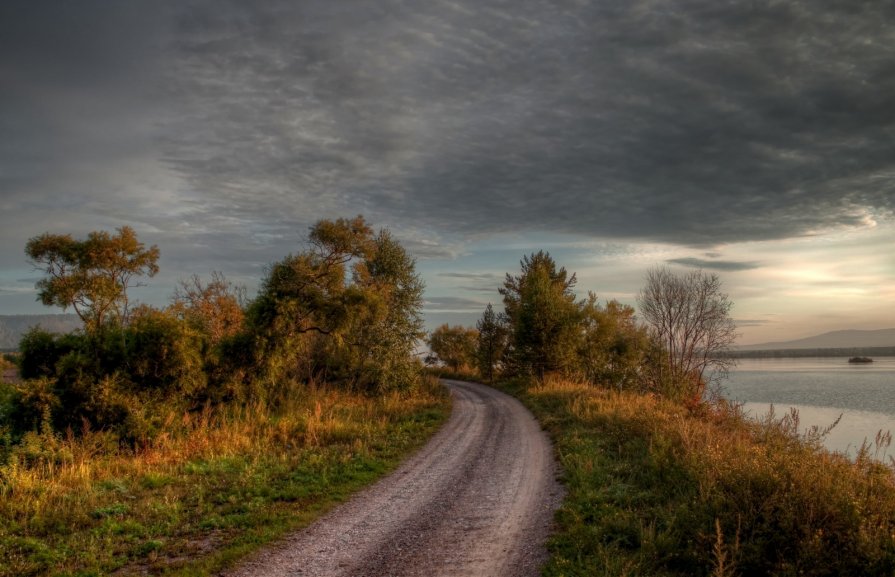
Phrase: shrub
(40, 351)
(30, 405)
(164, 353)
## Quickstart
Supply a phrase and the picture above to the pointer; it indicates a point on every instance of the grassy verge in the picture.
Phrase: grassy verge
(656, 490)
(221, 485)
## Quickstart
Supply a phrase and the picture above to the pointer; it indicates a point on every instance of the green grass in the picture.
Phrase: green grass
(220, 486)
(654, 489)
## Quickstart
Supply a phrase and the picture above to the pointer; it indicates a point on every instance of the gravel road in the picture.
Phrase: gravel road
(477, 501)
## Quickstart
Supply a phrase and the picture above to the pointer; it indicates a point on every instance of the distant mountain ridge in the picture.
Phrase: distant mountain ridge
(12, 327)
(832, 340)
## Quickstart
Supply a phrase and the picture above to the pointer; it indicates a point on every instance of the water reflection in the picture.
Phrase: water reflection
(821, 389)
(853, 429)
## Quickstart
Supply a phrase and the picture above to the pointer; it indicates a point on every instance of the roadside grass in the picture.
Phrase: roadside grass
(654, 489)
(218, 486)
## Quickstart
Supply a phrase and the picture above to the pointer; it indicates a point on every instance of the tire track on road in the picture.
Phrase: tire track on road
(476, 501)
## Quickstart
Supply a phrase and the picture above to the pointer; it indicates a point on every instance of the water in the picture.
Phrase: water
(822, 389)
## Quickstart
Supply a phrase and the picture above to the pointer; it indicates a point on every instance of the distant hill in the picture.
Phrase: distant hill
(12, 327)
(847, 339)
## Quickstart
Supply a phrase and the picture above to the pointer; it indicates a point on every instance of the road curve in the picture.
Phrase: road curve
(476, 501)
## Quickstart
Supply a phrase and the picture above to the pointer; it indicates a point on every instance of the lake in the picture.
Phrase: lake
(821, 389)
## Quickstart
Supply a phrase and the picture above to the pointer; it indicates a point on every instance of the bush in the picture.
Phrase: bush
(40, 351)
(115, 379)
(163, 353)
(230, 368)
(32, 404)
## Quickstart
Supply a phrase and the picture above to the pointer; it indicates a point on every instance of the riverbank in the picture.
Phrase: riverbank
(654, 489)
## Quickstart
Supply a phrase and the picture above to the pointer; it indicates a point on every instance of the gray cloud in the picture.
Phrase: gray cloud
(16, 289)
(483, 289)
(453, 304)
(236, 125)
(722, 265)
(477, 276)
(486, 283)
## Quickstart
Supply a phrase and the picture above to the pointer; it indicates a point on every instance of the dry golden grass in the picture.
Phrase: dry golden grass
(217, 484)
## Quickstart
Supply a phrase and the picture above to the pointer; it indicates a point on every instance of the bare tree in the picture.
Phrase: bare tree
(216, 308)
(689, 317)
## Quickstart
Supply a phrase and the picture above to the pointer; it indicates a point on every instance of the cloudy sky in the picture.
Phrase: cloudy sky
(755, 139)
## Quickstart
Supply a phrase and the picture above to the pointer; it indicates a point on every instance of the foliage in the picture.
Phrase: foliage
(454, 346)
(93, 275)
(689, 316)
(544, 329)
(491, 343)
(164, 354)
(116, 379)
(347, 309)
(655, 489)
(315, 322)
(389, 328)
(307, 296)
(40, 351)
(215, 309)
(543, 316)
(613, 348)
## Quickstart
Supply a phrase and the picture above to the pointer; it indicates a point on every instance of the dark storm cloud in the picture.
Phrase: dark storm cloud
(722, 265)
(687, 122)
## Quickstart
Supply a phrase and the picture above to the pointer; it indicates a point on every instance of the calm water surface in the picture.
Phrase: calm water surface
(822, 389)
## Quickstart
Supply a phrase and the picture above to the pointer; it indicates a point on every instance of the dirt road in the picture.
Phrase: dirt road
(477, 501)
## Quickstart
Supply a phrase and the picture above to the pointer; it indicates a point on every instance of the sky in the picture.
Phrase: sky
(751, 139)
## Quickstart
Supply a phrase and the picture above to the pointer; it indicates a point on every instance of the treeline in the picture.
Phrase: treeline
(546, 330)
(802, 353)
(345, 310)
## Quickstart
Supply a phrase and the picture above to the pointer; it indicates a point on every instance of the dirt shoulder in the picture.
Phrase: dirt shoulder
(477, 501)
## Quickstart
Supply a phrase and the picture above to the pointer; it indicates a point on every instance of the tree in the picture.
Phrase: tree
(309, 292)
(92, 276)
(542, 314)
(454, 346)
(363, 327)
(390, 322)
(164, 353)
(215, 308)
(614, 347)
(689, 316)
(491, 342)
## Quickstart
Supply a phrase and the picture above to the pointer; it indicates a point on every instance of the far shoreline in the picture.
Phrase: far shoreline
(871, 352)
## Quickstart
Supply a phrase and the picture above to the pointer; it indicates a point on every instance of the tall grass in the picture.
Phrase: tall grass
(217, 484)
(656, 489)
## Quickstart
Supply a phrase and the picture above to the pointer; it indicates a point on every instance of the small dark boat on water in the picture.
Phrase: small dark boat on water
(860, 360)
